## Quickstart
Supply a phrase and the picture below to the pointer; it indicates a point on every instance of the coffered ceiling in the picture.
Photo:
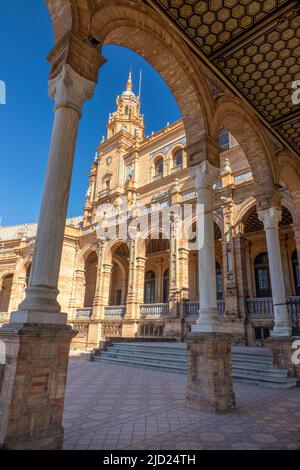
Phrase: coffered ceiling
(254, 46)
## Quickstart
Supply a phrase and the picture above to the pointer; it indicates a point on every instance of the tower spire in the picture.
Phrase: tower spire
(129, 81)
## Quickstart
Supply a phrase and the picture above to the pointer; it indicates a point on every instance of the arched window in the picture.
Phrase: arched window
(224, 139)
(219, 281)
(166, 286)
(262, 276)
(90, 279)
(126, 110)
(177, 160)
(159, 168)
(5, 293)
(296, 271)
(149, 291)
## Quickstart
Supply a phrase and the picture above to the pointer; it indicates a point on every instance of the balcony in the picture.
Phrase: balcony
(114, 311)
(158, 177)
(84, 313)
(191, 308)
(176, 168)
(225, 146)
(260, 307)
(154, 311)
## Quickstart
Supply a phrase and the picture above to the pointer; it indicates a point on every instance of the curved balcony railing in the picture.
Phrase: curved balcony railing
(154, 310)
(191, 308)
(114, 311)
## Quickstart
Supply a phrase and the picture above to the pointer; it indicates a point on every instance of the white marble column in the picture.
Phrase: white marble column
(70, 90)
(270, 218)
(208, 321)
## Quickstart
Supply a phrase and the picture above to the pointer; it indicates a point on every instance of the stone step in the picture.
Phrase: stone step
(238, 376)
(261, 369)
(249, 365)
(265, 361)
(143, 363)
(181, 354)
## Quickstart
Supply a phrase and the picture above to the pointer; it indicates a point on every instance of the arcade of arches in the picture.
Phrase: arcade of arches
(242, 285)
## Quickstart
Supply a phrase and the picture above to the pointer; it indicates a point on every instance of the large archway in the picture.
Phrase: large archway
(233, 115)
(139, 28)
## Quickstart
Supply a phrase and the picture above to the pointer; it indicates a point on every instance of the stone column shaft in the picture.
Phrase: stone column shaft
(98, 294)
(70, 90)
(270, 218)
(132, 281)
(208, 321)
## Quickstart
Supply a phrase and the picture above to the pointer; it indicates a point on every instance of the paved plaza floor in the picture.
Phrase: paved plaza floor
(111, 406)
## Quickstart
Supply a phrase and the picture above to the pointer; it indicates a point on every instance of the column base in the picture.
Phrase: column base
(208, 322)
(40, 299)
(25, 317)
(282, 353)
(281, 331)
(209, 372)
(33, 385)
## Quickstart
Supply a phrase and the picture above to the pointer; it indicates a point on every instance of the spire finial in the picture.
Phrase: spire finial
(129, 81)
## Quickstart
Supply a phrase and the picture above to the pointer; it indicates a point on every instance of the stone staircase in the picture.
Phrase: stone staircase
(250, 365)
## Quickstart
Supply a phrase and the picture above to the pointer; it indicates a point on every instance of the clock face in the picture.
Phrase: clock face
(108, 160)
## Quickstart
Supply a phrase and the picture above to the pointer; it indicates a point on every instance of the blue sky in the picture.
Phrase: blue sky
(26, 120)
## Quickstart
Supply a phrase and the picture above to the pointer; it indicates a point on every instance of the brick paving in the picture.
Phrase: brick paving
(111, 406)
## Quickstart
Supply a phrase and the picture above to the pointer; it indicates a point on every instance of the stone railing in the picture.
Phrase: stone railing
(114, 311)
(262, 307)
(154, 310)
(221, 307)
(85, 312)
(176, 168)
(191, 308)
(293, 304)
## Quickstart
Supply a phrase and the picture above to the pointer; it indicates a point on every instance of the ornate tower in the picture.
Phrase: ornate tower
(128, 116)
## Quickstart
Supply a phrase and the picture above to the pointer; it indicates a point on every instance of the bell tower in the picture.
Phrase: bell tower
(128, 116)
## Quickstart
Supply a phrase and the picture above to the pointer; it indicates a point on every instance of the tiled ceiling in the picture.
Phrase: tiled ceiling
(255, 44)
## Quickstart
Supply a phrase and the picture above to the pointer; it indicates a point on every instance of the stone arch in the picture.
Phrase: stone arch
(289, 171)
(136, 26)
(218, 224)
(250, 211)
(67, 16)
(84, 254)
(111, 247)
(242, 123)
(243, 209)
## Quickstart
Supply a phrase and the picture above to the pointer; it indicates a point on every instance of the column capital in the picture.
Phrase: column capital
(205, 175)
(270, 217)
(70, 90)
